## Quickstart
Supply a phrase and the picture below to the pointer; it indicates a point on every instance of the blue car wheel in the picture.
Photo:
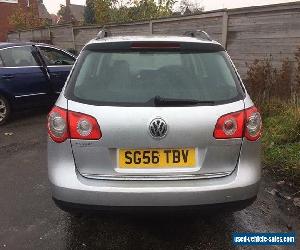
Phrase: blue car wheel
(4, 110)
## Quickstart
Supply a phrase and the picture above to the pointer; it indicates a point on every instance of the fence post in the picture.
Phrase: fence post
(73, 38)
(49, 33)
(225, 29)
(151, 27)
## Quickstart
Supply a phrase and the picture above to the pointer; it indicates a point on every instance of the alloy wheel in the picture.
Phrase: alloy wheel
(3, 110)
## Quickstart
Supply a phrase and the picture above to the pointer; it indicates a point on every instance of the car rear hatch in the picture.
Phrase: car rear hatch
(128, 128)
(132, 92)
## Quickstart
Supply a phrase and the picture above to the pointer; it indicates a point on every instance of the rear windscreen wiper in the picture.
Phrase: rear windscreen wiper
(171, 102)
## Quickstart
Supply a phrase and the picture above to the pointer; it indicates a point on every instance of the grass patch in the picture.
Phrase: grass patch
(281, 140)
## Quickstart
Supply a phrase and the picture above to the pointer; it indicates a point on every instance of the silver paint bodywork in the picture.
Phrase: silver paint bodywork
(86, 172)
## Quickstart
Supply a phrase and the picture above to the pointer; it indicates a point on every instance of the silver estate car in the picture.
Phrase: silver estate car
(154, 121)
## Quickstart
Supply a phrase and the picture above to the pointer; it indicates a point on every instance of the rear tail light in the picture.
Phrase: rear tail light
(245, 123)
(63, 124)
(57, 125)
(253, 126)
(83, 127)
(230, 126)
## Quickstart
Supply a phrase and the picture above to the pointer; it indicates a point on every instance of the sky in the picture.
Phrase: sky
(53, 5)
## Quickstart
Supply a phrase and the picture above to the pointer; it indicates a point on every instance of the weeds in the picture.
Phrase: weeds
(276, 92)
(266, 83)
(281, 141)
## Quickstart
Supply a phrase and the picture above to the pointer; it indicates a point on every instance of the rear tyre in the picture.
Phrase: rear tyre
(5, 110)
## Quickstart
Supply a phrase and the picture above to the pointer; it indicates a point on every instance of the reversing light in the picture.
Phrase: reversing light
(253, 124)
(57, 124)
(84, 127)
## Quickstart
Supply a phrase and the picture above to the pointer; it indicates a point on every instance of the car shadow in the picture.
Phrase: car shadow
(157, 231)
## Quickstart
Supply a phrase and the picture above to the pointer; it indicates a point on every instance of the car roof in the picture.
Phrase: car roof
(11, 44)
(152, 38)
(8, 44)
(4, 45)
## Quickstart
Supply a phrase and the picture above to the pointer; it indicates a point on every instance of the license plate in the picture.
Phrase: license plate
(157, 158)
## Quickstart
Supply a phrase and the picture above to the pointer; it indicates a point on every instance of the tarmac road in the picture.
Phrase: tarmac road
(30, 220)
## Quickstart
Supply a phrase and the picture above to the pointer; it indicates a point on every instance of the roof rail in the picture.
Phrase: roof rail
(199, 34)
(102, 34)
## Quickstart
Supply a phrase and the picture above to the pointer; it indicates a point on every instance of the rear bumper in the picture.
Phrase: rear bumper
(207, 209)
(70, 187)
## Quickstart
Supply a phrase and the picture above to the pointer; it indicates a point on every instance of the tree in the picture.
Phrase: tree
(165, 7)
(102, 10)
(89, 12)
(120, 11)
(190, 7)
(25, 20)
(150, 9)
(107, 11)
(62, 10)
(18, 19)
(64, 14)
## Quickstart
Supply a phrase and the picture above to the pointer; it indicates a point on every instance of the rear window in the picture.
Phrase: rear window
(135, 77)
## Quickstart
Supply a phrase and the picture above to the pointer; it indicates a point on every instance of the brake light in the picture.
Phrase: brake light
(63, 124)
(155, 45)
(246, 123)
(230, 126)
(83, 127)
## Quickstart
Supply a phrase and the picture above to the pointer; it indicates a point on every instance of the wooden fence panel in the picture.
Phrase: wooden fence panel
(83, 35)
(272, 34)
(131, 29)
(14, 37)
(41, 35)
(212, 25)
(26, 36)
(248, 33)
(62, 36)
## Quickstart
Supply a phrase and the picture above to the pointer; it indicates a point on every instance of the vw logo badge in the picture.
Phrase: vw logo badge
(158, 128)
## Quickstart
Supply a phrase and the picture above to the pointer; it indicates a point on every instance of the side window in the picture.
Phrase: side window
(17, 57)
(56, 57)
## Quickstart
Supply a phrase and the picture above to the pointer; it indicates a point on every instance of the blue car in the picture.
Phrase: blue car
(31, 75)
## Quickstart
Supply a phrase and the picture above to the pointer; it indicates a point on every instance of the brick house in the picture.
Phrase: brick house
(73, 13)
(8, 7)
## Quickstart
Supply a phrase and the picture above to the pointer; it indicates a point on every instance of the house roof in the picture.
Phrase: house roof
(43, 12)
(54, 18)
(77, 11)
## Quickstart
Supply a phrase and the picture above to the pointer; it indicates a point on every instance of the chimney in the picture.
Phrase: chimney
(68, 2)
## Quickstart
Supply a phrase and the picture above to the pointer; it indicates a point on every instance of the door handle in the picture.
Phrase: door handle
(56, 75)
(7, 77)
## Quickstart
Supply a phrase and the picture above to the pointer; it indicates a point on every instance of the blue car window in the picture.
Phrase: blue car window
(18, 57)
(56, 57)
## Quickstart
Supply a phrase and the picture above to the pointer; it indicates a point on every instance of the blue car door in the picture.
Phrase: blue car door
(59, 64)
(22, 77)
